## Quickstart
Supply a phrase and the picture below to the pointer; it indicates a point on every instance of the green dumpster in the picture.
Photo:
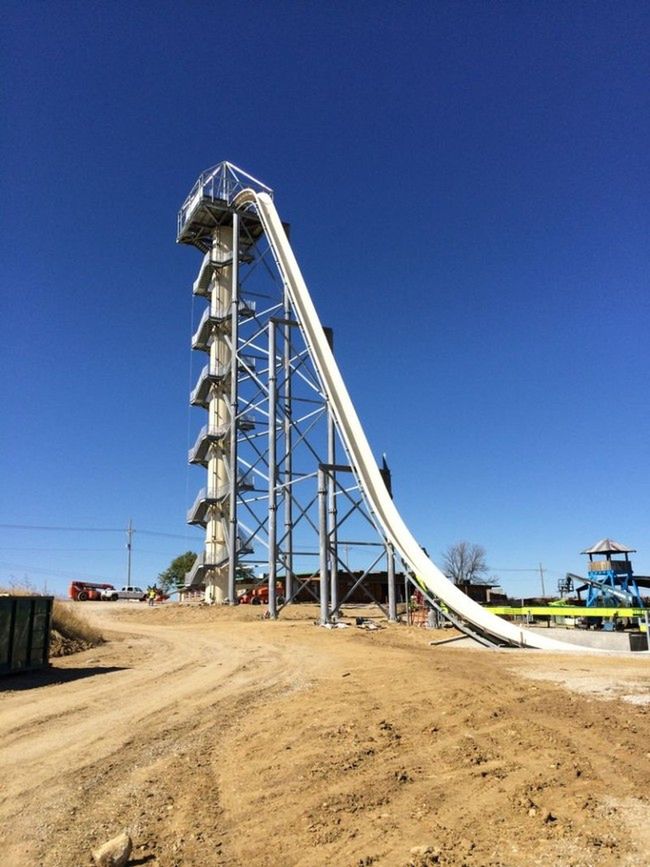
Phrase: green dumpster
(24, 632)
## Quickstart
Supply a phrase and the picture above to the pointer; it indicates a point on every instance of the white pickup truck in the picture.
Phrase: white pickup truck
(125, 593)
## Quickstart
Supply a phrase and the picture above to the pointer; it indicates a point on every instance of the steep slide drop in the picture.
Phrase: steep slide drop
(360, 454)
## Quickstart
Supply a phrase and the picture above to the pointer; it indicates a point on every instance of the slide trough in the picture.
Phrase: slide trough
(429, 576)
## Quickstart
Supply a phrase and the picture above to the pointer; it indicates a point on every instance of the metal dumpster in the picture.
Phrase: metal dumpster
(24, 632)
(638, 641)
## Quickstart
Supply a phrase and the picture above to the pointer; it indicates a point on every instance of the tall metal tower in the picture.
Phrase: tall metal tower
(291, 478)
(276, 502)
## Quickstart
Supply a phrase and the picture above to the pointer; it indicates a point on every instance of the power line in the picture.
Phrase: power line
(57, 572)
(67, 528)
(48, 550)
(166, 535)
(89, 530)
(75, 529)
(531, 570)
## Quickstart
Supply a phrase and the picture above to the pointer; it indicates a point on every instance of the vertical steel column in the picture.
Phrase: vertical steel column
(392, 602)
(322, 538)
(273, 474)
(406, 594)
(234, 373)
(332, 531)
(288, 458)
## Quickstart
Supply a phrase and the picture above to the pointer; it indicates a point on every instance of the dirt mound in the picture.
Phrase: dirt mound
(71, 631)
(198, 612)
(62, 645)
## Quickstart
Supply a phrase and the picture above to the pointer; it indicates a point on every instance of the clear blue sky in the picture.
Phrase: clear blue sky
(467, 185)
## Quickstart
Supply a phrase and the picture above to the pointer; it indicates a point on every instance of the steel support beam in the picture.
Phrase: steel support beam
(288, 460)
(273, 475)
(323, 547)
(234, 398)
(332, 530)
(390, 571)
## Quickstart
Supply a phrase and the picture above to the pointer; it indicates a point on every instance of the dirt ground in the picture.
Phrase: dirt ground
(217, 739)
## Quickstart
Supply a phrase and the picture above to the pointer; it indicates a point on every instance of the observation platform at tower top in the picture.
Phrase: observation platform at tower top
(209, 205)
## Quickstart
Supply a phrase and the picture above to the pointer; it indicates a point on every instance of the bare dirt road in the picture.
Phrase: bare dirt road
(217, 739)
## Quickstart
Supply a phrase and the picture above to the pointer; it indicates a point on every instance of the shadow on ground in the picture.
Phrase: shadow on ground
(50, 676)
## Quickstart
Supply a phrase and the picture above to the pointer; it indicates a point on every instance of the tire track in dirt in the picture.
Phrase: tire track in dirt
(241, 743)
(396, 747)
(80, 752)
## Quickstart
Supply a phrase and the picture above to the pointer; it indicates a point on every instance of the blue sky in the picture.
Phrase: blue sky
(467, 186)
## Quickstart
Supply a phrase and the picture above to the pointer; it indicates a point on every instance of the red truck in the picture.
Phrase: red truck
(260, 595)
(81, 591)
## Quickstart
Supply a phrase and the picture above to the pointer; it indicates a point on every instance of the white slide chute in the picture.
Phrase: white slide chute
(360, 453)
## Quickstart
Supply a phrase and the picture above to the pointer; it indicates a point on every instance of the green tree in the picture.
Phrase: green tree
(173, 578)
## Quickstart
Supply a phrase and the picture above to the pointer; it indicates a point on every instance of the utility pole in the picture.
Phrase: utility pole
(129, 534)
(541, 577)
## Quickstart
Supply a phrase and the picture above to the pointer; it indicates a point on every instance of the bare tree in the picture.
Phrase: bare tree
(464, 562)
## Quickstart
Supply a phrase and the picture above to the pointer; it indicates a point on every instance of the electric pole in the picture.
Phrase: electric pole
(541, 577)
(129, 534)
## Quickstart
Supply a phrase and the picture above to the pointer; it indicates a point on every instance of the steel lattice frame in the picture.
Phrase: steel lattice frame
(284, 507)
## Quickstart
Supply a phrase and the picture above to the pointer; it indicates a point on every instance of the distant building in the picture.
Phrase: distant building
(373, 587)
(483, 592)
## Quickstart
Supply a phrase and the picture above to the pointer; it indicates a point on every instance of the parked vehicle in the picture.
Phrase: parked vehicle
(260, 595)
(125, 593)
(82, 591)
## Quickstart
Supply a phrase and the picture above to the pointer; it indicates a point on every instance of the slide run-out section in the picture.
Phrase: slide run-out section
(360, 454)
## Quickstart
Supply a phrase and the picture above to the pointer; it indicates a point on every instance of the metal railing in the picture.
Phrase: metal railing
(212, 494)
(206, 496)
(244, 546)
(209, 372)
(207, 430)
(219, 371)
(220, 182)
(246, 310)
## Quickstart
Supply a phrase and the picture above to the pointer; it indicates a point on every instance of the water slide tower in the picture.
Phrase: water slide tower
(278, 502)
(291, 478)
